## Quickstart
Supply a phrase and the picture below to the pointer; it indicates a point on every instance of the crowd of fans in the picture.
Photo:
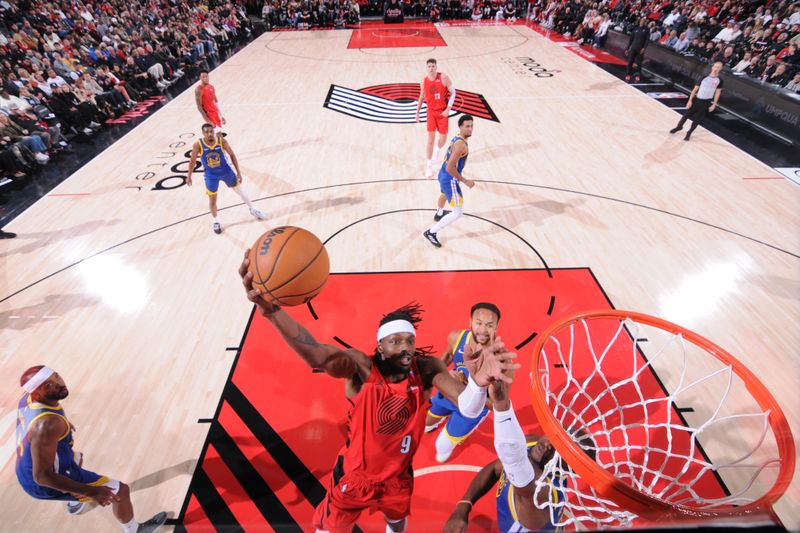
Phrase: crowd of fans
(68, 67)
(308, 14)
(305, 14)
(757, 39)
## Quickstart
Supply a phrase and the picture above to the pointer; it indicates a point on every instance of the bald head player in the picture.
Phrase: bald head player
(388, 392)
(47, 466)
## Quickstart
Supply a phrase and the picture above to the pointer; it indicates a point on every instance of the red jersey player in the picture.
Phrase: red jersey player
(439, 94)
(389, 392)
(207, 103)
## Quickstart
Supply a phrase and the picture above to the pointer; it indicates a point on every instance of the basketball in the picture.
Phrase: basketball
(289, 264)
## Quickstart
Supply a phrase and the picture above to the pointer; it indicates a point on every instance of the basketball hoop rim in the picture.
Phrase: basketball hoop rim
(628, 498)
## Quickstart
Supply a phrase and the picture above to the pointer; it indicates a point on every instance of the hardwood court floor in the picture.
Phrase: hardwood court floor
(117, 281)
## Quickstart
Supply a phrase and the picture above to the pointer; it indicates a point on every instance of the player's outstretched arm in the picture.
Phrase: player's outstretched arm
(478, 487)
(331, 359)
(511, 445)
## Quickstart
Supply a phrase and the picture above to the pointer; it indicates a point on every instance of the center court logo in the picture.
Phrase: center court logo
(396, 103)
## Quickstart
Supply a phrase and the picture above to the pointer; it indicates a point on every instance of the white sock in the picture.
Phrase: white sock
(444, 446)
(243, 196)
(447, 219)
(440, 211)
(131, 526)
(390, 530)
(216, 220)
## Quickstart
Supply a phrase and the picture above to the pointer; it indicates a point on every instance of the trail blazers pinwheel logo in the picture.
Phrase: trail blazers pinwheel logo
(397, 103)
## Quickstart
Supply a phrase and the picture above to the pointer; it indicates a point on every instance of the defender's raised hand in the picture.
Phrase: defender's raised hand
(491, 363)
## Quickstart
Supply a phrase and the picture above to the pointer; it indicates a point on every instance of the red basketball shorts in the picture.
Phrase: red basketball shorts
(436, 122)
(352, 494)
(213, 116)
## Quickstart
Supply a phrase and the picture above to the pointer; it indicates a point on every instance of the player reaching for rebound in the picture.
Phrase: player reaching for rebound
(388, 392)
(213, 150)
(47, 466)
(450, 178)
(439, 94)
(484, 317)
(206, 97)
(521, 463)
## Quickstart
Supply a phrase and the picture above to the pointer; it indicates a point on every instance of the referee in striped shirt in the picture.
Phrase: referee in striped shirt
(702, 101)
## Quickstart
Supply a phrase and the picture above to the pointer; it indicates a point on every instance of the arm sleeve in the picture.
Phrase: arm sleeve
(472, 399)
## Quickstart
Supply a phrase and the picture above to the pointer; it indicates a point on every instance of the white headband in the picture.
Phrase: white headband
(38, 378)
(395, 326)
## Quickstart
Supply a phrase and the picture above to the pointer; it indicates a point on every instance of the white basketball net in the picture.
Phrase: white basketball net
(657, 455)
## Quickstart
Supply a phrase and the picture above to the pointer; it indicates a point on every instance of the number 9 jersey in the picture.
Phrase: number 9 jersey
(385, 425)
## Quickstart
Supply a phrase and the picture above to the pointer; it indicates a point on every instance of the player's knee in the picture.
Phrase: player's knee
(458, 210)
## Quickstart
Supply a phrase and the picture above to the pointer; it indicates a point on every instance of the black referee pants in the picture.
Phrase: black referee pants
(635, 55)
(697, 112)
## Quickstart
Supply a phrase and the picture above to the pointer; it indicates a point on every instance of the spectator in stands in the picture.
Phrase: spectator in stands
(602, 31)
(682, 43)
(476, 12)
(70, 110)
(7, 100)
(670, 39)
(728, 57)
(743, 63)
(769, 67)
(435, 14)
(779, 76)
(794, 84)
(17, 134)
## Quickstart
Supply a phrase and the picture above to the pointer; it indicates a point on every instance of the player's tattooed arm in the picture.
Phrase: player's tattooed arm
(304, 337)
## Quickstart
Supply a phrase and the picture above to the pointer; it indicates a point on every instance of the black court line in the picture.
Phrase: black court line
(340, 341)
(685, 410)
(198, 468)
(552, 305)
(306, 482)
(232, 349)
(311, 310)
(350, 184)
(348, 226)
(251, 481)
(212, 503)
(205, 420)
(526, 341)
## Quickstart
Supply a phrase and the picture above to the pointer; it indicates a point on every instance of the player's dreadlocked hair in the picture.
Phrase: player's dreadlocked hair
(412, 312)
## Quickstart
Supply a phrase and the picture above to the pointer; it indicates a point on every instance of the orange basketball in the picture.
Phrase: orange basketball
(289, 264)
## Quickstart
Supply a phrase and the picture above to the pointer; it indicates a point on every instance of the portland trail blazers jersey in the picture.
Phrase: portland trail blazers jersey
(385, 425)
